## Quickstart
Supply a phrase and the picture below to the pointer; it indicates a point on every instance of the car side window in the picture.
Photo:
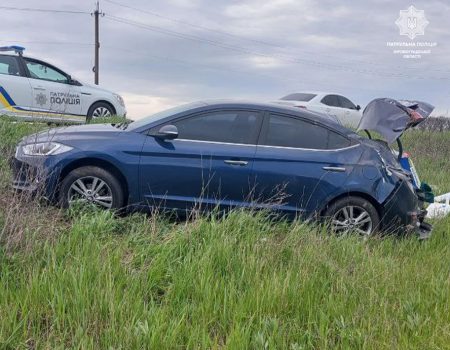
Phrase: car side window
(331, 100)
(346, 103)
(39, 70)
(284, 131)
(9, 65)
(222, 126)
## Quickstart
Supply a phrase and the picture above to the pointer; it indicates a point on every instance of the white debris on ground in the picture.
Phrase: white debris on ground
(440, 207)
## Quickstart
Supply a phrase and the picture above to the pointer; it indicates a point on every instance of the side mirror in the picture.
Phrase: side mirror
(73, 81)
(358, 107)
(167, 132)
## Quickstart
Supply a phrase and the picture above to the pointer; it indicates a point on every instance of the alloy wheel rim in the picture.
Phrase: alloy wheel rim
(101, 112)
(90, 189)
(352, 218)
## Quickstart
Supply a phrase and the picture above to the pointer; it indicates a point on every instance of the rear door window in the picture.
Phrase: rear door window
(285, 131)
(9, 65)
(331, 100)
(346, 103)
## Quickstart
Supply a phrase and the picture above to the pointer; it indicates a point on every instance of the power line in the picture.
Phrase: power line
(47, 42)
(29, 9)
(239, 37)
(197, 26)
(259, 54)
(191, 64)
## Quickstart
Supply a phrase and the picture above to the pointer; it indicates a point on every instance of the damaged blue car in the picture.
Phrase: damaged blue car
(227, 154)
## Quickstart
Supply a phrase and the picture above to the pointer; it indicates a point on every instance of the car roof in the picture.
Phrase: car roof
(9, 54)
(315, 93)
(277, 108)
(17, 55)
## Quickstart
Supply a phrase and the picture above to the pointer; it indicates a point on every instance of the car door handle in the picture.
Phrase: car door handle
(334, 168)
(40, 88)
(235, 162)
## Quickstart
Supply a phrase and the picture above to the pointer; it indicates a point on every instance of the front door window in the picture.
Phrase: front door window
(39, 70)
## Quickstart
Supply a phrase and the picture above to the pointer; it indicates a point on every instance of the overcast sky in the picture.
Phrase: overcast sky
(184, 50)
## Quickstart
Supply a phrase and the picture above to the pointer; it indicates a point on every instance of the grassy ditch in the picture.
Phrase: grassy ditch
(87, 279)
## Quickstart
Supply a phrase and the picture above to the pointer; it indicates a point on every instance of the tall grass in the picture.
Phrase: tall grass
(97, 281)
(239, 282)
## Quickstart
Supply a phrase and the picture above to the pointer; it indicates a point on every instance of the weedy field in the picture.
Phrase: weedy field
(90, 280)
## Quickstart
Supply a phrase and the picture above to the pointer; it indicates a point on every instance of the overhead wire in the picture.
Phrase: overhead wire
(29, 9)
(244, 50)
(274, 45)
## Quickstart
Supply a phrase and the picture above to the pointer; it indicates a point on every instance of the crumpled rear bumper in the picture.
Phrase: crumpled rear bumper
(424, 229)
(402, 212)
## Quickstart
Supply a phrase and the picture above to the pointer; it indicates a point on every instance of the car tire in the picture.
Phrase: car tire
(353, 214)
(91, 184)
(100, 110)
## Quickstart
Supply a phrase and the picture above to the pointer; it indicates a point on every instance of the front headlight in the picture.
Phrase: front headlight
(45, 149)
(120, 100)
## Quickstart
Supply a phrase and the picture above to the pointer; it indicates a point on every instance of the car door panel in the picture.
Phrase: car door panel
(15, 89)
(52, 91)
(184, 173)
(299, 164)
(296, 181)
(187, 173)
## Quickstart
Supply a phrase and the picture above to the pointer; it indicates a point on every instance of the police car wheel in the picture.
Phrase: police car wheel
(100, 110)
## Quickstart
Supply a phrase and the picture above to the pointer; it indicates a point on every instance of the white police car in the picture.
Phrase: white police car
(33, 89)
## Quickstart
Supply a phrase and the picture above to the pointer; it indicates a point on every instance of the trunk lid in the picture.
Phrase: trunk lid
(390, 118)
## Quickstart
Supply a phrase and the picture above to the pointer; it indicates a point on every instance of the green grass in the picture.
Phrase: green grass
(431, 154)
(243, 282)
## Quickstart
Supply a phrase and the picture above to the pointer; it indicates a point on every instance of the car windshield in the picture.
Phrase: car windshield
(163, 114)
(299, 97)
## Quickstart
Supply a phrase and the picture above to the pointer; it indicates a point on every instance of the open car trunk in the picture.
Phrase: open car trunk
(390, 119)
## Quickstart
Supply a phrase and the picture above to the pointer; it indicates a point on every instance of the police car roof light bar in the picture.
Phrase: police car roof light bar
(17, 49)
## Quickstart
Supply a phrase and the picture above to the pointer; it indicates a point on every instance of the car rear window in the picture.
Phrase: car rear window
(299, 97)
(284, 131)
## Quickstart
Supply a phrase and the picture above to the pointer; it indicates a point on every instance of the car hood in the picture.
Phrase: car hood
(88, 88)
(74, 132)
(390, 118)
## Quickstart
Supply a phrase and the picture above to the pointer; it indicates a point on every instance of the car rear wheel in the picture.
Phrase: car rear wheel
(100, 110)
(91, 185)
(353, 214)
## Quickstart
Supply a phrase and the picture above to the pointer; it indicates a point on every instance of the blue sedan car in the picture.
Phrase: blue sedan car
(224, 154)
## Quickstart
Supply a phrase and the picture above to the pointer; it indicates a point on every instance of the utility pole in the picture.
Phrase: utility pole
(96, 15)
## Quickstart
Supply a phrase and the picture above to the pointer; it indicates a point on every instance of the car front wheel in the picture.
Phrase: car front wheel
(100, 110)
(353, 214)
(91, 185)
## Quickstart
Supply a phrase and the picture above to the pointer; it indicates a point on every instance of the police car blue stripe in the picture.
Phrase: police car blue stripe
(6, 96)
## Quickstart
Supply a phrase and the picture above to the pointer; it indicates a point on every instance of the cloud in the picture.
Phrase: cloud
(144, 105)
(189, 50)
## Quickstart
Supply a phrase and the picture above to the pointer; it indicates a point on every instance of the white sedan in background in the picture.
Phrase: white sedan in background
(331, 104)
(36, 90)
